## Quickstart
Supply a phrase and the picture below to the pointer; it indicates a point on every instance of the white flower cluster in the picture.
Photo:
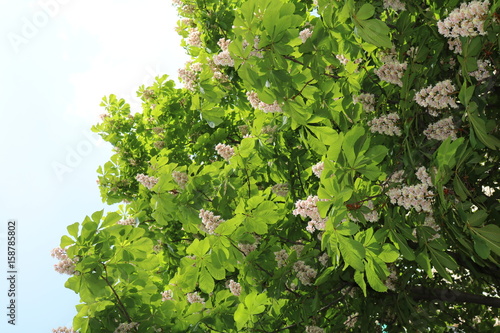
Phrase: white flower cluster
(224, 57)
(126, 327)
(129, 221)
(268, 129)
(466, 21)
(351, 320)
(324, 259)
(247, 248)
(63, 329)
(280, 190)
(314, 329)
(385, 125)
(390, 282)
(482, 73)
(305, 34)
(148, 181)
(366, 100)
(167, 295)
(305, 273)
(210, 221)
(65, 265)
(455, 45)
(441, 130)
(318, 168)
(181, 178)
(431, 222)
(417, 196)
(281, 257)
(189, 74)
(225, 151)
(256, 103)
(397, 177)
(343, 60)
(256, 52)
(392, 72)
(234, 287)
(372, 216)
(308, 208)
(423, 176)
(195, 298)
(438, 96)
(194, 38)
(394, 4)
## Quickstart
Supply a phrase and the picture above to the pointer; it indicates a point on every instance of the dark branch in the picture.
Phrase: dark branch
(452, 296)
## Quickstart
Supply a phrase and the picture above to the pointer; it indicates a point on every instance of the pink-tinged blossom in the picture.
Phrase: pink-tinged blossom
(280, 190)
(247, 248)
(127, 327)
(167, 295)
(482, 73)
(466, 21)
(439, 96)
(257, 104)
(430, 222)
(423, 176)
(194, 38)
(314, 329)
(441, 130)
(148, 181)
(318, 168)
(391, 280)
(224, 58)
(455, 45)
(195, 298)
(65, 265)
(343, 60)
(351, 320)
(210, 221)
(181, 178)
(235, 288)
(129, 221)
(256, 52)
(225, 151)
(281, 257)
(394, 4)
(418, 197)
(305, 34)
(308, 208)
(63, 329)
(392, 72)
(189, 75)
(385, 125)
(305, 273)
(324, 259)
(371, 216)
(366, 100)
(397, 177)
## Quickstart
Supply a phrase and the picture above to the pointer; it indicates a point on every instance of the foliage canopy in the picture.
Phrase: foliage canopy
(328, 167)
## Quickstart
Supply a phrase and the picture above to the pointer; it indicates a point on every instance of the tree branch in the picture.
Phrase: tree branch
(452, 296)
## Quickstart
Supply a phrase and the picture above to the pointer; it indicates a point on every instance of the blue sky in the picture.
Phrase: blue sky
(58, 58)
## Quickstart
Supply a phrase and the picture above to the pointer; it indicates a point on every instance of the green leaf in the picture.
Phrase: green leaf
(481, 247)
(73, 229)
(373, 278)
(423, 260)
(66, 241)
(347, 228)
(479, 126)
(403, 245)
(477, 218)
(365, 12)
(374, 31)
(359, 278)
(353, 252)
(490, 234)
(206, 282)
(389, 253)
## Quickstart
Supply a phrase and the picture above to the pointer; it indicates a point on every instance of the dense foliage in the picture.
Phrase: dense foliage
(329, 166)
